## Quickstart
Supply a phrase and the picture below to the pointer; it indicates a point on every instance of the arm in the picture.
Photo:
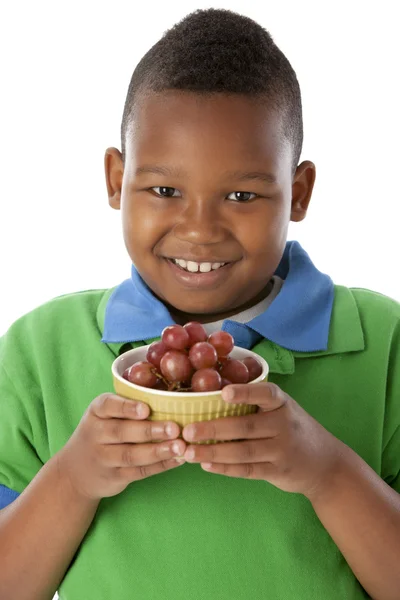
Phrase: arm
(362, 515)
(112, 446)
(284, 445)
(40, 533)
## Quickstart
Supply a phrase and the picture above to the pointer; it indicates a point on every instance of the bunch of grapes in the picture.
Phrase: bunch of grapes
(187, 360)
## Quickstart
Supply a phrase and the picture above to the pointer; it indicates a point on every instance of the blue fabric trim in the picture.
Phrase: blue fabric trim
(298, 318)
(7, 496)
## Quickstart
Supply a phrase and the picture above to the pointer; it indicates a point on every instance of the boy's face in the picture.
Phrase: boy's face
(206, 210)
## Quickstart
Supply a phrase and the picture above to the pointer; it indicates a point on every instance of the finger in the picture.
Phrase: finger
(137, 473)
(139, 455)
(255, 426)
(108, 406)
(254, 451)
(245, 471)
(123, 431)
(266, 395)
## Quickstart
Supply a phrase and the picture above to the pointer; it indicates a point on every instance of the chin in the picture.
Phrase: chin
(199, 309)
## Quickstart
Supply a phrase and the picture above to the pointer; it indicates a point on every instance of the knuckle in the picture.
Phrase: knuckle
(100, 429)
(126, 408)
(212, 432)
(248, 451)
(100, 404)
(211, 453)
(248, 426)
(101, 455)
(148, 431)
(128, 456)
(164, 465)
(116, 431)
(249, 470)
(246, 391)
(273, 389)
(119, 474)
(277, 393)
(143, 472)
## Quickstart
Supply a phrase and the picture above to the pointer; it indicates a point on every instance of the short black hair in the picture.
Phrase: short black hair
(219, 51)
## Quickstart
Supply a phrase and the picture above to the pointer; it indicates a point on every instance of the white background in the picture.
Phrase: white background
(65, 71)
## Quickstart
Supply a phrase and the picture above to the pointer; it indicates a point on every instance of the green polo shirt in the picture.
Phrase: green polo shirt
(187, 533)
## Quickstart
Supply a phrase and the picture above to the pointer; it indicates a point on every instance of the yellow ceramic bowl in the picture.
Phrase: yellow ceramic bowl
(181, 407)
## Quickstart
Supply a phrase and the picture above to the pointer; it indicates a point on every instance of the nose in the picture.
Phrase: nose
(200, 222)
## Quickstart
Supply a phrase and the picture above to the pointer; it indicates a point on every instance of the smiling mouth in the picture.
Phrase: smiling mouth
(190, 266)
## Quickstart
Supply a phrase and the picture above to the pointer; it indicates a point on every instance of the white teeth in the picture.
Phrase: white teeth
(194, 267)
(205, 267)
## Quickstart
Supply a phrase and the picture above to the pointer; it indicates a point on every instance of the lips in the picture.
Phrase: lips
(199, 279)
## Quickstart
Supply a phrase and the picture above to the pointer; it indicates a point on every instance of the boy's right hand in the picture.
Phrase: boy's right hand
(113, 445)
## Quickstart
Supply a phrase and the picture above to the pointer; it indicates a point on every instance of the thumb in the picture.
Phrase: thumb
(268, 396)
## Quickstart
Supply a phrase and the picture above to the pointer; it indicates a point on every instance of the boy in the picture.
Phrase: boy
(302, 500)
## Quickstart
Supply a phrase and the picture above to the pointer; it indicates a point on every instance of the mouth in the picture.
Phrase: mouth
(198, 275)
(191, 266)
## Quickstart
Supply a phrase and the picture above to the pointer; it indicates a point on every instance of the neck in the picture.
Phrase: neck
(182, 317)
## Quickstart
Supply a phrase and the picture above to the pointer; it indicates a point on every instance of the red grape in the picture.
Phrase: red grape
(175, 337)
(184, 361)
(253, 366)
(206, 380)
(203, 356)
(161, 385)
(235, 371)
(176, 367)
(196, 332)
(225, 382)
(142, 373)
(222, 341)
(155, 353)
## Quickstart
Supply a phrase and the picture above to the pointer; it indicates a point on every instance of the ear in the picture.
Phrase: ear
(302, 187)
(114, 170)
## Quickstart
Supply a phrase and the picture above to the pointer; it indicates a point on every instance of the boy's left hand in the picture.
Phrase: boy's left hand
(281, 443)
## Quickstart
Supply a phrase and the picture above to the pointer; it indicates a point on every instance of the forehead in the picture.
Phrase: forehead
(192, 127)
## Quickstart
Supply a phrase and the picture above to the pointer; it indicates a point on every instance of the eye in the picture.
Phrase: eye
(165, 192)
(242, 196)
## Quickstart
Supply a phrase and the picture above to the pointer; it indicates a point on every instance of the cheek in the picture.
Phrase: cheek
(142, 226)
(264, 234)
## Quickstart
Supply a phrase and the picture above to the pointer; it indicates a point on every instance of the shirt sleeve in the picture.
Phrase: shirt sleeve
(391, 435)
(6, 496)
(19, 461)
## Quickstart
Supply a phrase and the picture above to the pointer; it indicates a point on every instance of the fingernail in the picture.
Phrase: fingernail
(179, 460)
(141, 410)
(228, 394)
(190, 432)
(176, 448)
(169, 430)
(189, 454)
(206, 466)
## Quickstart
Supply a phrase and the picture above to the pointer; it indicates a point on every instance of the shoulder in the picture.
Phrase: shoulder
(371, 300)
(61, 318)
(370, 304)
(377, 315)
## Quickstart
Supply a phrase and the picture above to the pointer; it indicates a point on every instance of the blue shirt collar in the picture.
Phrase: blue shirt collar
(298, 319)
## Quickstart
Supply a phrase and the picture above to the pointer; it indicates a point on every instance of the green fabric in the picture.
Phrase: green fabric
(188, 533)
